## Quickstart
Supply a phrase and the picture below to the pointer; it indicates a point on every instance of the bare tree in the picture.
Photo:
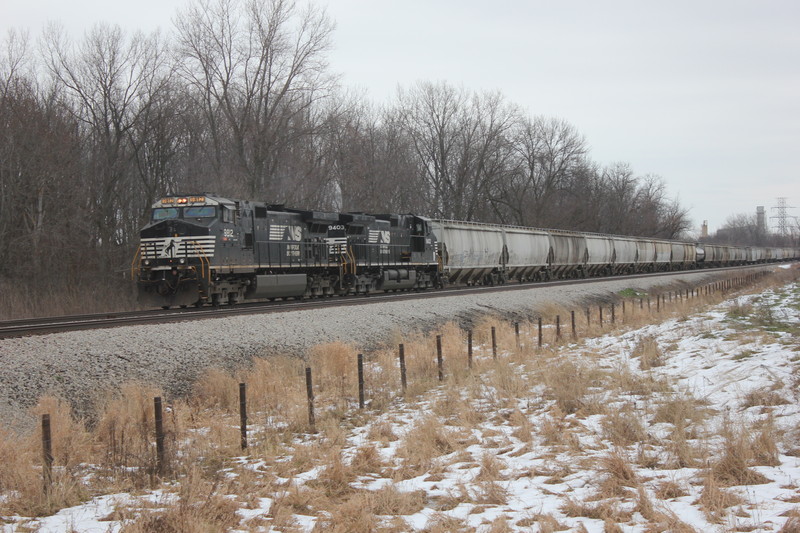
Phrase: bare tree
(461, 143)
(741, 229)
(111, 80)
(256, 68)
(547, 154)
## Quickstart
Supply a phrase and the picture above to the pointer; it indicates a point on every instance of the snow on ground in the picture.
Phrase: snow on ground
(673, 417)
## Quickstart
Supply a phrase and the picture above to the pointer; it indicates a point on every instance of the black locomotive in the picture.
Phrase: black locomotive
(204, 248)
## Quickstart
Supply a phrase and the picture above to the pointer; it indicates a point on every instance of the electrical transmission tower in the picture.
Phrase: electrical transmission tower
(783, 217)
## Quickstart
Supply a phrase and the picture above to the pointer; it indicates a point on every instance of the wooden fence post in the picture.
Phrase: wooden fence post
(494, 343)
(310, 395)
(403, 381)
(47, 455)
(361, 381)
(439, 359)
(540, 332)
(243, 414)
(469, 349)
(574, 331)
(160, 467)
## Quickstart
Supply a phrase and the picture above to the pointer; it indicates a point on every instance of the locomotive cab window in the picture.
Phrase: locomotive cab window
(207, 211)
(227, 214)
(165, 213)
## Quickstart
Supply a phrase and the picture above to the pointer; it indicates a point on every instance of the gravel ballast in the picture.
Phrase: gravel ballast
(81, 366)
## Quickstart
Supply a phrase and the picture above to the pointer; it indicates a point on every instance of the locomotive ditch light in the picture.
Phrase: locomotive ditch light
(182, 261)
(146, 262)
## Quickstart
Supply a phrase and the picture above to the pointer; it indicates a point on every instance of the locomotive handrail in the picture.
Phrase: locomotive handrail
(204, 261)
(135, 269)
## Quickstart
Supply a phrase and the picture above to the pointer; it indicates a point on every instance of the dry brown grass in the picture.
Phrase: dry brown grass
(715, 500)
(766, 397)
(681, 410)
(791, 526)
(569, 384)
(202, 433)
(648, 353)
(126, 433)
(623, 426)
(200, 507)
(740, 451)
(668, 490)
(366, 460)
(442, 523)
(603, 510)
(491, 468)
(426, 441)
(618, 476)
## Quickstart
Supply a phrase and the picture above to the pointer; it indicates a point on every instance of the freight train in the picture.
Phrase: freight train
(203, 248)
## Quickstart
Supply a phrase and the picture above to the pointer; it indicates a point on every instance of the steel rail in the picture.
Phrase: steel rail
(46, 325)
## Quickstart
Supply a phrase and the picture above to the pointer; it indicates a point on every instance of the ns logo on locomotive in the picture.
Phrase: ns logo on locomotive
(200, 249)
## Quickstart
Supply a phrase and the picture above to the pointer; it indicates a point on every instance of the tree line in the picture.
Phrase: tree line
(239, 99)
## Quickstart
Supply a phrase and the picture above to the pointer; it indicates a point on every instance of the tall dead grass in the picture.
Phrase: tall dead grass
(203, 440)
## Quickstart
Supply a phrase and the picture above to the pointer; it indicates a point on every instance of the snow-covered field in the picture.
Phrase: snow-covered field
(691, 424)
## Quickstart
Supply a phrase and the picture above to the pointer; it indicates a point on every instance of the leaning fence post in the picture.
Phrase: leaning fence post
(613, 313)
(601, 316)
(588, 320)
(159, 436)
(361, 381)
(494, 343)
(516, 333)
(47, 454)
(243, 414)
(310, 396)
(403, 381)
(439, 361)
(558, 327)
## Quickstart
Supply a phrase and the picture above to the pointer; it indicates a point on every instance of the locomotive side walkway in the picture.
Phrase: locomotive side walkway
(82, 365)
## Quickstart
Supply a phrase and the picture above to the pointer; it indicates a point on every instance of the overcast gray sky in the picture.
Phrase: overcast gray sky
(704, 94)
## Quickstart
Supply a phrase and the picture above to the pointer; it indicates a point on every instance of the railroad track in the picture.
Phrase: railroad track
(42, 326)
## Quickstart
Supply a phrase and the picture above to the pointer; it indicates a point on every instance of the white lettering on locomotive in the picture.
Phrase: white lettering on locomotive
(380, 236)
(283, 232)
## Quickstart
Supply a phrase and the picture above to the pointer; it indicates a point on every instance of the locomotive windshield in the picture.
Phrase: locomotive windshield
(168, 213)
(165, 213)
(207, 211)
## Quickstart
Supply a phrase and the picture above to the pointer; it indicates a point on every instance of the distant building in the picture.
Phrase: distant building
(761, 219)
